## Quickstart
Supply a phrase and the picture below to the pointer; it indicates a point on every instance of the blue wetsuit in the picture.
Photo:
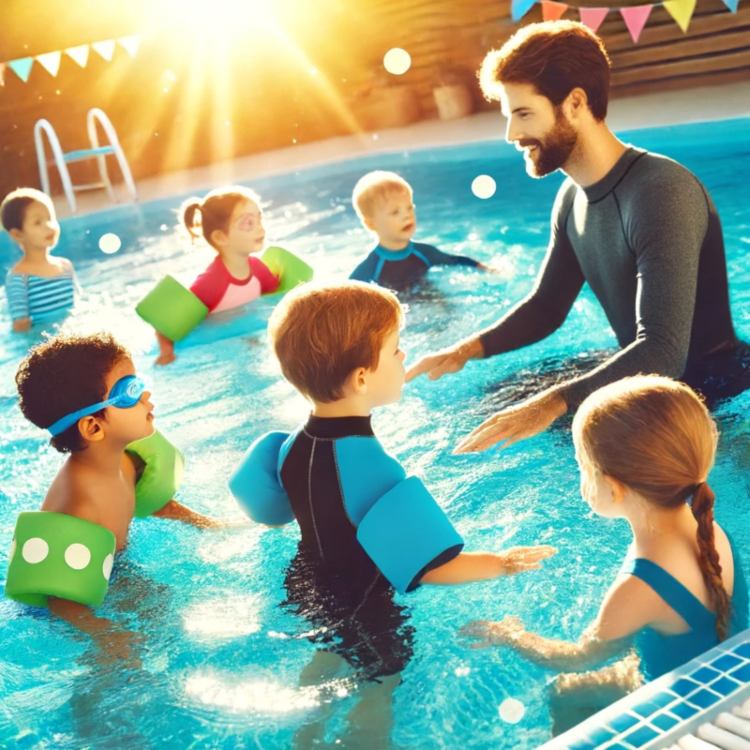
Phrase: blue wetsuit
(400, 268)
(366, 527)
(661, 653)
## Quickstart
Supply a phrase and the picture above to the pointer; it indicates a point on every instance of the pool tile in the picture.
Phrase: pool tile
(683, 710)
(684, 686)
(726, 662)
(664, 721)
(640, 736)
(582, 745)
(741, 673)
(743, 650)
(724, 686)
(653, 704)
(704, 675)
(703, 698)
(623, 722)
(599, 736)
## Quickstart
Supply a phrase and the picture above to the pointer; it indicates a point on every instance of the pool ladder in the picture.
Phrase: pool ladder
(61, 159)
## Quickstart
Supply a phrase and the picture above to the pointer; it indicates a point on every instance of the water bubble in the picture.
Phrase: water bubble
(109, 243)
(397, 61)
(483, 186)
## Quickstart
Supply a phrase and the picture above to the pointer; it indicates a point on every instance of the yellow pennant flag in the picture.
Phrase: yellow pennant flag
(682, 11)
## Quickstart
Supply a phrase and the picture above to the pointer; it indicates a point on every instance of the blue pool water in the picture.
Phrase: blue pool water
(220, 660)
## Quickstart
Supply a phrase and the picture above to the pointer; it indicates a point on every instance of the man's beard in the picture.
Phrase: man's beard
(554, 150)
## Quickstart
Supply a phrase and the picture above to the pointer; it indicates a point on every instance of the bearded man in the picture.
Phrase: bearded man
(638, 227)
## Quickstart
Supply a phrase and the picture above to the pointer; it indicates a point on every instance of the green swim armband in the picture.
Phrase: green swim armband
(172, 309)
(288, 266)
(162, 473)
(54, 554)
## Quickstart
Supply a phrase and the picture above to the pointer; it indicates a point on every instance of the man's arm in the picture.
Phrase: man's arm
(557, 285)
(543, 311)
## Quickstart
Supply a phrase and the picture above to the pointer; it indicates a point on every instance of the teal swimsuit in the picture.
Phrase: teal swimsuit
(661, 653)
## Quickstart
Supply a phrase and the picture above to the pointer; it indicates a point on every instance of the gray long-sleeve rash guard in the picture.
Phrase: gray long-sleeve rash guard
(648, 240)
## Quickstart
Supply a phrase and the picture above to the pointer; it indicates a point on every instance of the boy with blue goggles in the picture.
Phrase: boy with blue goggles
(125, 394)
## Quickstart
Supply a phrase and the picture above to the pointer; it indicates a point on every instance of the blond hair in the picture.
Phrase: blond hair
(655, 435)
(321, 334)
(375, 187)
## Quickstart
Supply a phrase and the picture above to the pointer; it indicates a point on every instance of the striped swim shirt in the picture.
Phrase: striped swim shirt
(39, 297)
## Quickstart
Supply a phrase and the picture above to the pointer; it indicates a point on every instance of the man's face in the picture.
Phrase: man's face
(538, 128)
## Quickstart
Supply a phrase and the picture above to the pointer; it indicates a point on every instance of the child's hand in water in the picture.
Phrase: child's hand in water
(165, 359)
(520, 559)
(499, 266)
(121, 647)
(492, 633)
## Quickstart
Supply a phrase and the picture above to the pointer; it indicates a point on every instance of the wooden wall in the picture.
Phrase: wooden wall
(276, 103)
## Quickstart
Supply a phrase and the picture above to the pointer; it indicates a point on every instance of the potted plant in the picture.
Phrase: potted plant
(385, 102)
(453, 93)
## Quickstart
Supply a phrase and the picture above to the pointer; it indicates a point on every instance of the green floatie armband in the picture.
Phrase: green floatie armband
(162, 473)
(172, 309)
(54, 554)
(288, 266)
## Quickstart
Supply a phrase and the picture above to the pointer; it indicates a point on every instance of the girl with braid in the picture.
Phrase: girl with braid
(645, 446)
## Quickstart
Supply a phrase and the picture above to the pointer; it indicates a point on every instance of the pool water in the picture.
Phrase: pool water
(220, 660)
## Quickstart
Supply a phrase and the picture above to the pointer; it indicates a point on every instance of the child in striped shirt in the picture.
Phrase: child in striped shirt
(39, 287)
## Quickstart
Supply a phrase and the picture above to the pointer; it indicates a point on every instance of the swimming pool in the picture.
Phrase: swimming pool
(220, 658)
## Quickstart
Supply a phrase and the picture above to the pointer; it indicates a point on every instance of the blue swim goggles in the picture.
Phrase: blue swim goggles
(125, 394)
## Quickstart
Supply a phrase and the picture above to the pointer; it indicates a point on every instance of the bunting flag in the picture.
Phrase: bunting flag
(552, 11)
(681, 10)
(635, 19)
(105, 49)
(593, 17)
(79, 54)
(635, 16)
(50, 61)
(22, 67)
(130, 44)
(519, 8)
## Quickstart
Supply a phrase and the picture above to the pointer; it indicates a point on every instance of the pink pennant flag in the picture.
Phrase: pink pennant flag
(635, 19)
(552, 11)
(593, 17)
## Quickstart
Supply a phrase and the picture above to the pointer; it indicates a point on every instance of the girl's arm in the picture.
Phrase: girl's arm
(627, 608)
(478, 566)
(179, 512)
(166, 350)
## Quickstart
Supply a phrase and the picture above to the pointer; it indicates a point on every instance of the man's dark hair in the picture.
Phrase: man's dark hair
(555, 57)
(62, 375)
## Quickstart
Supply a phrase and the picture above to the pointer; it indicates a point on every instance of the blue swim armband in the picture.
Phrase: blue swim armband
(404, 531)
(255, 482)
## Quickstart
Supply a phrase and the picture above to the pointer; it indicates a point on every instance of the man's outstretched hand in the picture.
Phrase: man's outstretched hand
(515, 423)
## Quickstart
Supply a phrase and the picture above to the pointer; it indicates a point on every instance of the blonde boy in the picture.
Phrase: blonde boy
(384, 203)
